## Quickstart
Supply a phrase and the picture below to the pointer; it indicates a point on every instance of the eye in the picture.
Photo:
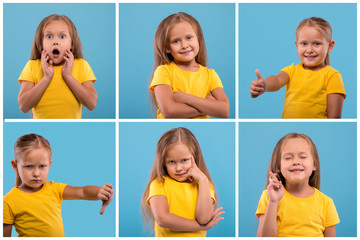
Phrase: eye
(175, 41)
(185, 160)
(62, 36)
(303, 43)
(48, 36)
(42, 166)
(171, 162)
(317, 44)
(189, 37)
(28, 166)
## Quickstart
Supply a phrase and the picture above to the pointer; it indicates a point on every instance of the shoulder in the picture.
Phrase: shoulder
(34, 63)
(330, 71)
(12, 193)
(56, 186)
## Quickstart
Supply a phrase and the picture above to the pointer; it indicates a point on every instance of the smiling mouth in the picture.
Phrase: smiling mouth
(297, 170)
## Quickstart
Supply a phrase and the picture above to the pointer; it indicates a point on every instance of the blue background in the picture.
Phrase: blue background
(137, 151)
(138, 24)
(267, 42)
(83, 154)
(96, 27)
(336, 145)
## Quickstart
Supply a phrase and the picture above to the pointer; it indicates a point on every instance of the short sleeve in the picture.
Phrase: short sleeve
(332, 217)
(59, 188)
(335, 84)
(212, 194)
(161, 76)
(87, 73)
(26, 74)
(290, 70)
(264, 199)
(156, 188)
(8, 215)
(215, 80)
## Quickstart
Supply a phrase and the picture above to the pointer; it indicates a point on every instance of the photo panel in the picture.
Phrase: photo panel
(267, 43)
(95, 24)
(136, 49)
(82, 154)
(336, 144)
(137, 152)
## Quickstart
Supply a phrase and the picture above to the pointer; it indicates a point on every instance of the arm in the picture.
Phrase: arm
(30, 94)
(169, 107)
(270, 84)
(334, 105)
(7, 228)
(330, 231)
(165, 219)
(267, 221)
(204, 205)
(104, 193)
(215, 106)
(84, 92)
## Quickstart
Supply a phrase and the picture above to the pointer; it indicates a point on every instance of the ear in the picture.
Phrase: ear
(331, 45)
(296, 44)
(14, 165)
(50, 161)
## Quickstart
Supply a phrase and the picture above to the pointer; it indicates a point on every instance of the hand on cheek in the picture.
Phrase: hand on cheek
(68, 64)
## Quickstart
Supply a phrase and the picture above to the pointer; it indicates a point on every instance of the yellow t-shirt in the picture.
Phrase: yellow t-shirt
(199, 83)
(182, 198)
(307, 90)
(35, 214)
(58, 101)
(302, 217)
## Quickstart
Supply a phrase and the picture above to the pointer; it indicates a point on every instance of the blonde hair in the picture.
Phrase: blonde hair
(37, 45)
(275, 162)
(324, 28)
(26, 144)
(158, 171)
(162, 42)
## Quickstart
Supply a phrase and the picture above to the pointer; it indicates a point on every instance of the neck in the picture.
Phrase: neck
(191, 66)
(28, 189)
(301, 190)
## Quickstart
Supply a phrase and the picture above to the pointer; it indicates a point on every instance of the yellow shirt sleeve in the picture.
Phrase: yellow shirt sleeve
(215, 80)
(161, 76)
(335, 84)
(156, 188)
(27, 74)
(8, 216)
(264, 199)
(332, 217)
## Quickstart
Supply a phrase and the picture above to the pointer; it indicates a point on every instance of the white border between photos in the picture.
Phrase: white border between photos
(117, 121)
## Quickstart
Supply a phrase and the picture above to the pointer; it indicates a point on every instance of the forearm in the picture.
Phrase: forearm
(90, 192)
(177, 223)
(174, 109)
(268, 227)
(204, 206)
(29, 97)
(83, 95)
(272, 84)
(210, 106)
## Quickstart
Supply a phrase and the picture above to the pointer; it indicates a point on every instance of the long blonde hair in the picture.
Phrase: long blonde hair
(158, 171)
(275, 162)
(37, 45)
(162, 42)
(26, 144)
(324, 28)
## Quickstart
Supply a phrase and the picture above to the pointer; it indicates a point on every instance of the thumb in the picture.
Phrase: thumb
(104, 205)
(258, 75)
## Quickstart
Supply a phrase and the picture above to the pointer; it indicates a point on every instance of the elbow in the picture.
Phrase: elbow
(23, 107)
(92, 105)
(168, 112)
(161, 221)
(203, 220)
(225, 112)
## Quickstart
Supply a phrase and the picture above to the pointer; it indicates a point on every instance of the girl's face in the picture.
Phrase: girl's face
(56, 41)
(312, 47)
(184, 43)
(33, 169)
(178, 161)
(297, 163)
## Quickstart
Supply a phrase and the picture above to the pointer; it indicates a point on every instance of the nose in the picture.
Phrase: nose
(36, 172)
(178, 168)
(184, 44)
(55, 43)
(295, 162)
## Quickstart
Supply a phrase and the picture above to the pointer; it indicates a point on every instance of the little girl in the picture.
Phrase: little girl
(292, 205)
(182, 85)
(57, 81)
(313, 88)
(33, 206)
(180, 194)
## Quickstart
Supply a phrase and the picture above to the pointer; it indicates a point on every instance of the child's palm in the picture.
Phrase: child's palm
(48, 69)
(194, 172)
(275, 188)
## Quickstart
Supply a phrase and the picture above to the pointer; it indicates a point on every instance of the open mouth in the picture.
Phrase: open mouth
(55, 52)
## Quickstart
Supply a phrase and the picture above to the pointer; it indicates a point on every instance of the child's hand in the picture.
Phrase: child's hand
(68, 65)
(194, 173)
(105, 194)
(48, 69)
(257, 87)
(209, 97)
(275, 188)
(215, 219)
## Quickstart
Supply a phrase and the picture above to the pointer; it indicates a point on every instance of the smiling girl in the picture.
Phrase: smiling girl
(292, 205)
(57, 81)
(313, 88)
(182, 86)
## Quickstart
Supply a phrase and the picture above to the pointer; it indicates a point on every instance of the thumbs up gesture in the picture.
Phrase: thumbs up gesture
(257, 87)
